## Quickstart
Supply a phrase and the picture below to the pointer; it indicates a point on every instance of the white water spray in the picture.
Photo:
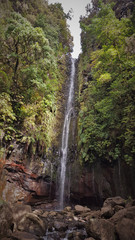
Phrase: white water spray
(65, 134)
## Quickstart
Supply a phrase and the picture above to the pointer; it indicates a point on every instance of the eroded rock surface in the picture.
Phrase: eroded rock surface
(25, 186)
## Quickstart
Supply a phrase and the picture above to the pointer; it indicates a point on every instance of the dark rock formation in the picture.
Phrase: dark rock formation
(92, 185)
(20, 184)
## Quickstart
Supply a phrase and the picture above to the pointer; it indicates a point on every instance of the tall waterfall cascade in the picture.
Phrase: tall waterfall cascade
(65, 134)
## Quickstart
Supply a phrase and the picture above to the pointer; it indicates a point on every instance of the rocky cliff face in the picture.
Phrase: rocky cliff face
(92, 185)
(19, 184)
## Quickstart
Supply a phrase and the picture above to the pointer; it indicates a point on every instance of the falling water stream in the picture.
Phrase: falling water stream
(65, 133)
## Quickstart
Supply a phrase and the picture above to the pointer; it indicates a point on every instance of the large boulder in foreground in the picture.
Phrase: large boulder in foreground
(27, 221)
(112, 205)
(19, 222)
(31, 223)
(115, 221)
(125, 223)
(100, 229)
(6, 219)
(126, 229)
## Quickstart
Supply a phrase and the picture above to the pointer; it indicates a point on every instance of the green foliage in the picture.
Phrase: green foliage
(50, 28)
(4, 82)
(38, 121)
(7, 117)
(34, 41)
(107, 112)
(6, 112)
(65, 39)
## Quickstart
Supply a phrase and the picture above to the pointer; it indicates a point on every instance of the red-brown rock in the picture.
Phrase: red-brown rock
(20, 184)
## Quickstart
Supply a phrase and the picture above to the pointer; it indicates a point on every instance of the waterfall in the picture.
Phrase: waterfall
(65, 134)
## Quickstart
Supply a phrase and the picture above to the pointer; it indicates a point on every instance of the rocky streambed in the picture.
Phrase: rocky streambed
(114, 221)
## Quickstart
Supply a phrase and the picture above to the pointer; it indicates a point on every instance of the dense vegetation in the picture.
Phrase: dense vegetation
(34, 43)
(107, 85)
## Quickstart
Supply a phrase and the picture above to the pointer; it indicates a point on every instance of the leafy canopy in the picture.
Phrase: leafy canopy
(107, 111)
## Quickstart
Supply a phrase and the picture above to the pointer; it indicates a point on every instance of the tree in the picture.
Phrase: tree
(107, 111)
(29, 57)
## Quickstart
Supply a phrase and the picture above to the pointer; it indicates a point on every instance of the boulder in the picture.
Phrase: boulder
(93, 215)
(118, 216)
(107, 212)
(100, 229)
(31, 223)
(124, 213)
(118, 208)
(125, 223)
(126, 229)
(114, 201)
(53, 214)
(81, 209)
(60, 226)
(19, 211)
(67, 209)
(45, 214)
(38, 212)
(6, 219)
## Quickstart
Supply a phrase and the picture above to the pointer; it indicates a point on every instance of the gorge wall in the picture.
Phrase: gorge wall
(105, 147)
(100, 161)
(35, 60)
